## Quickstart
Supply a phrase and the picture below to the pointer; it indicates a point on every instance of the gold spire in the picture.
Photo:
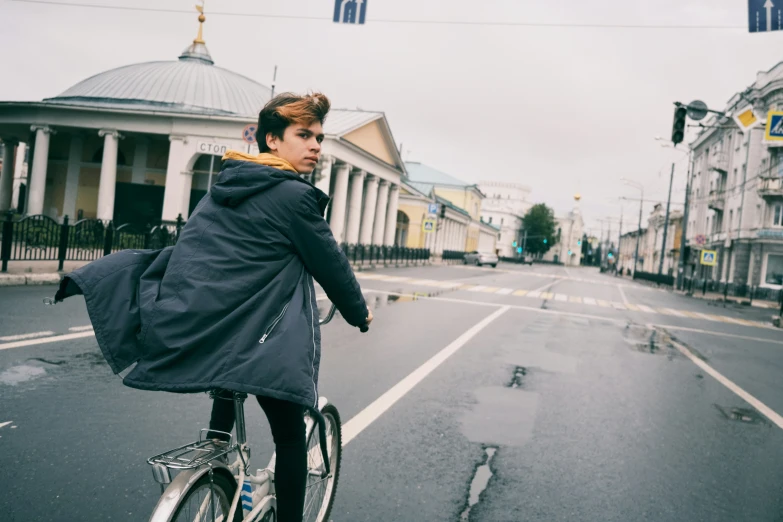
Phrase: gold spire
(201, 19)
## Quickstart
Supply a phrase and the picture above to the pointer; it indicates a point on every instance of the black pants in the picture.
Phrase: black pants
(288, 431)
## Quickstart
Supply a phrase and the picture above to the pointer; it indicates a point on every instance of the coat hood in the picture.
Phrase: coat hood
(245, 175)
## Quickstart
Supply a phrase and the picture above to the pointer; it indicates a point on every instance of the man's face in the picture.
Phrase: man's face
(300, 146)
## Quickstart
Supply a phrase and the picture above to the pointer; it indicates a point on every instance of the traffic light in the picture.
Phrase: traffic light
(546, 241)
(569, 253)
(610, 255)
(442, 211)
(514, 244)
(579, 243)
(678, 129)
(519, 250)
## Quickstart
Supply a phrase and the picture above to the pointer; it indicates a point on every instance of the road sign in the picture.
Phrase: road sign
(765, 15)
(428, 226)
(249, 133)
(351, 12)
(746, 118)
(700, 239)
(432, 208)
(709, 257)
(208, 147)
(697, 109)
(774, 125)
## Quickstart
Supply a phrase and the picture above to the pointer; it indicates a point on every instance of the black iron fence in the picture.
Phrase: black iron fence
(740, 290)
(41, 238)
(661, 279)
(453, 255)
(384, 255)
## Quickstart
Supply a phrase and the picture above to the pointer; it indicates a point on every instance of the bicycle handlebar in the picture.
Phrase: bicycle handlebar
(330, 315)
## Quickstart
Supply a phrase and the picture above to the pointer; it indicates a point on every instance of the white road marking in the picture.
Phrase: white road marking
(647, 309)
(25, 336)
(368, 415)
(750, 399)
(80, 328)
(46, 340)
(589, 301)
(722, 334)
(505, 291)
(561, 297)
(674, 312)
(553, 283)
(622, 294)
(534, 294)
(478, 288)
(5, 423)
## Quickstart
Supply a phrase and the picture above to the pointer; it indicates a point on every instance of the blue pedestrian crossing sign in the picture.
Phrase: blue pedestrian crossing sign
(709, 257)
(774, 130)
(428, 226)
(765, 15)
(353, 11)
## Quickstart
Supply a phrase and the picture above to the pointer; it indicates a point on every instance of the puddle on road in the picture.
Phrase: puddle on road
(744, 415)
(517, 378)
(653, 341)
(19, 374)
(479, 483)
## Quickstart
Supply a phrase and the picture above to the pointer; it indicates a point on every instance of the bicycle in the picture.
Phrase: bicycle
(208, 488)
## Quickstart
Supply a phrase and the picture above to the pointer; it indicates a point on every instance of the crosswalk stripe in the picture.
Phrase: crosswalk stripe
(675, 313)
(632, 308)
(560, 297)
(505, 291)
(479, 288)
(603, 303)
(398, 279)
(575, 299)
(692, 315)
(618, 306)
(534, 294)
(589, 301)
(646, 309)
(521, 293)
(664, 311)
(547, 295)
(491, 289)
(466, 287)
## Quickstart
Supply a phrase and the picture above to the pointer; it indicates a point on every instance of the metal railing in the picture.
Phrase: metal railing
(662, 279)
(384, 255)
(41, 238)
(741, 290)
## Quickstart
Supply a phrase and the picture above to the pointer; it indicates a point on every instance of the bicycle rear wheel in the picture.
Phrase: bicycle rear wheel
(319, 496)
(205, 503)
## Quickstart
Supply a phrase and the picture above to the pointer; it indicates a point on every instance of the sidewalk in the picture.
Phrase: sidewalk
(715, 296)
(22, 273)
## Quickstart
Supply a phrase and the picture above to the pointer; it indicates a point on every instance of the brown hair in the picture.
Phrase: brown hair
(287, 109)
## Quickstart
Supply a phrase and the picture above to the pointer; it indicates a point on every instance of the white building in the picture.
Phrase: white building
(736, 197)
(504, 207)
(570, 229)
(140, 144)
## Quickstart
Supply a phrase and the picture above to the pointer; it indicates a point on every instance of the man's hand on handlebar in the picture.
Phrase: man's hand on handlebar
(369, 320)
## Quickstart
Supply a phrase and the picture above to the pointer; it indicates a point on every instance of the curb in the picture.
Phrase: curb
(743, 303)
(30, 279)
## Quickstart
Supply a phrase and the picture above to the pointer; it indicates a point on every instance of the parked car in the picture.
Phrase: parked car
(480, 258)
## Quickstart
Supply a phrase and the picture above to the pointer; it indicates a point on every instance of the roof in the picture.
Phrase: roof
(424, 188)
(340, 122)
(418, 172)
(192, 84)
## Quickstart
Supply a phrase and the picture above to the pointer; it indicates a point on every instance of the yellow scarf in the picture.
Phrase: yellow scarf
(270, 160)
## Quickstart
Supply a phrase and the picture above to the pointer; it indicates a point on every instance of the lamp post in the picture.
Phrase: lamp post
(639, 228)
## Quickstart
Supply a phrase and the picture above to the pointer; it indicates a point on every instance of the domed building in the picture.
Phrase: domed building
(142, 143)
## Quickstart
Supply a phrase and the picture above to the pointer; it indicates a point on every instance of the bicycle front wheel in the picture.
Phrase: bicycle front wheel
(205, 502)
(319, 496)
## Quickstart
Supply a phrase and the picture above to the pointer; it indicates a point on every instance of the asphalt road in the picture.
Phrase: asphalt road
(542, 394)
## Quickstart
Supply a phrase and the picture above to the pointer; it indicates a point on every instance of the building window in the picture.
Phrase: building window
(774, 273)
(777, 218)
(501, 221)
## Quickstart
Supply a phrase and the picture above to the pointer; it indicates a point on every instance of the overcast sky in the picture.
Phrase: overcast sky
(561, 109)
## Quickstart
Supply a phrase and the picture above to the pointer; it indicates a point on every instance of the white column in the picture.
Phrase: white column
(140, 161)
(354, 207)
(187, 185)
(37, 188)
(368, 212)
(108, 174)
(338, 203)
(379, 227)
(326, 176)
(391, 215)
(72, 177)
(175, 180)
(7, 175)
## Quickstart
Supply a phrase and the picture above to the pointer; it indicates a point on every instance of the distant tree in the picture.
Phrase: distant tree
(541, 228)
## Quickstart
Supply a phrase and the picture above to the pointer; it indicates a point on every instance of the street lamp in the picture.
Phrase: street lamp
(639, 230)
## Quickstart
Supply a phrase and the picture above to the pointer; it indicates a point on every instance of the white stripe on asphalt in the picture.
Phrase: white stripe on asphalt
(589, 301)
(46, 340)
(25, 336)
(622, 294)
(647, 309)
(545, 286)
(478, 288)
(534, 294)
(750, 399)
(675, 312)
(5, 423)
(368, 415)
(505, 291)
(618, 306)
(561, 297)
(80, 328)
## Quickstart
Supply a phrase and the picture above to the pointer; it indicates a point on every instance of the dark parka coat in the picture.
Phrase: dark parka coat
(232, 305)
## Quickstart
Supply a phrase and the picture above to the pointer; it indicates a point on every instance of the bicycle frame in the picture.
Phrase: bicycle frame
(207, 460)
